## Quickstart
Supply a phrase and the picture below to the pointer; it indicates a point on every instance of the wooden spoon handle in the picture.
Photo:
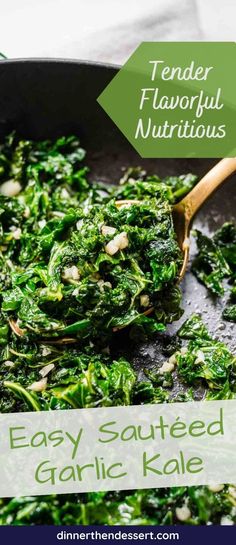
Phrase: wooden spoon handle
(207, 185)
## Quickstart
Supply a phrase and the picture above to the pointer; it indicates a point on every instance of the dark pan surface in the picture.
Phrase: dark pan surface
(47, 98)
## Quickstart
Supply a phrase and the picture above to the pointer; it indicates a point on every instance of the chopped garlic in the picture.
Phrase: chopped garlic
(119, 242)
(16, 233)
(198, 361)
(46, 351)
(100, 284)
(200, 358)
(183, 350)
(64, 193)
(167, 367)
(108, 284)
(107, 230)
(144, 301)
(38, 386)
(111, 248)
(9, 363)
(75, 292)
(200, 355)
(216, 487)
(122, 240)
(58, 214)
(10, 188)
(125, 205)
(226, 521)
(79, 224)
(42, 224)
(9, 264)
(71, 273)
(172, 359)
(183, 513)
(26, 213)
(103, 284)
(46, 369)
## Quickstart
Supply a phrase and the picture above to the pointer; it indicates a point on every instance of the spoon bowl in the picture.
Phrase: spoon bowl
(184, 211)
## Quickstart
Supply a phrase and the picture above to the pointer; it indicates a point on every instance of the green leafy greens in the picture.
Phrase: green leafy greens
(208, 359)
(77, 264)
(215, 261)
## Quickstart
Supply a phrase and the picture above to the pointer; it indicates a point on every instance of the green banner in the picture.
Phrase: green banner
(176, 99)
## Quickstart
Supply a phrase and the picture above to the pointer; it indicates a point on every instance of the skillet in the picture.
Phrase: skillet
(44, 98)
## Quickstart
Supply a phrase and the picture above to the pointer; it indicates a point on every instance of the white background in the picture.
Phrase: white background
(108, 30)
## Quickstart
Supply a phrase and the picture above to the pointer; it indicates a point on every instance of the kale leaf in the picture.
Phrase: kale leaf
(215, 261)
(208, 359)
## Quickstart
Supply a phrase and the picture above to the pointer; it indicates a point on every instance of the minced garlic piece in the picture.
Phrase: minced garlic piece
(144, 301)
(183, 513)
(101, 284)
(38, 386)
(9, 363)
(215, 487)
(11, 188)
(64, 193)
(172, 359)
(42, 224)
(71, 273)
(46, 369)
(200, 357)
(111, 248)
(46, 351)
(167, 367)
(122, 240)
(16, 233)
(107, 230)
(119, 242)
(226, 521)
(26, 213)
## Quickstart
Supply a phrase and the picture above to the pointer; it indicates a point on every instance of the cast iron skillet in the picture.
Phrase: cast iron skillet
(46, 98)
